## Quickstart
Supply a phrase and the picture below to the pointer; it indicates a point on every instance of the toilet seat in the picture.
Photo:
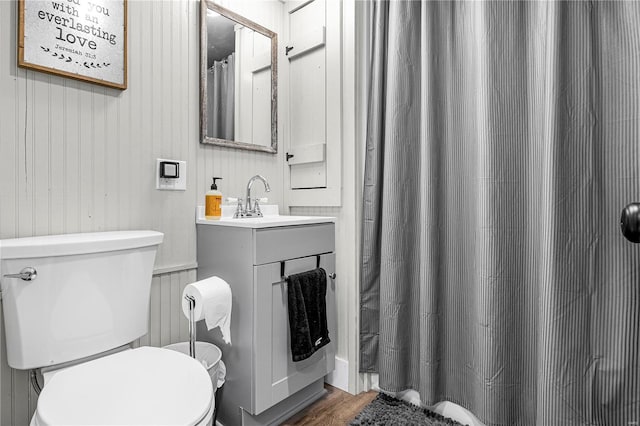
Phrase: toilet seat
(143, 386)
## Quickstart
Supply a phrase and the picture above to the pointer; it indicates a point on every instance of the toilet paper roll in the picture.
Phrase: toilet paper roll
(213, 304)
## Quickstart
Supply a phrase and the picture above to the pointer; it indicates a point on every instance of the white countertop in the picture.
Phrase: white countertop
(271, 218)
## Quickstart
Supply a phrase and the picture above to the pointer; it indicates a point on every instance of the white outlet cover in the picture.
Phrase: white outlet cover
(179, 184)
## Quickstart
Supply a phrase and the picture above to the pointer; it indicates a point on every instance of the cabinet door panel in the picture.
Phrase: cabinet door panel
(277, 376)
(307, 92)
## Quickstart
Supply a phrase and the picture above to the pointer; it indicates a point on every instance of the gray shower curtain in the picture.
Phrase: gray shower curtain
(502, 144)
(221, 98)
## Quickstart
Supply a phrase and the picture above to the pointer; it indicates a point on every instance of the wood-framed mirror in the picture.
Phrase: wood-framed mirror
(238, 81)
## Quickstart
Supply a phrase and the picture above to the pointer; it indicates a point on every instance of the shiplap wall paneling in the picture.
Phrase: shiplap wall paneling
(167, 323)
(10, 106)
(77, 157)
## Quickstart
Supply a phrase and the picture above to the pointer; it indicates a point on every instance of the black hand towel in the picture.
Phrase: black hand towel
(307, 312)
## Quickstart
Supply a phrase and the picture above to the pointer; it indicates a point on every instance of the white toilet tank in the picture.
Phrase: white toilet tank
(91, 294)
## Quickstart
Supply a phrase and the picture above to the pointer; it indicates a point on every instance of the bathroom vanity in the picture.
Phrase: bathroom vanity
(263, 385)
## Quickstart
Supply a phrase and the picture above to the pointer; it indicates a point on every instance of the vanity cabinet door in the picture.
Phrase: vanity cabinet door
(276, 375)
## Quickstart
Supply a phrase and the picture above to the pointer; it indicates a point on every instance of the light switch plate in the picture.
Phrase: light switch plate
(170, 184)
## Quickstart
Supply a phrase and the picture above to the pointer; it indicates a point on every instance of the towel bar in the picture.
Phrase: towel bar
(286, 277)
(332, 276)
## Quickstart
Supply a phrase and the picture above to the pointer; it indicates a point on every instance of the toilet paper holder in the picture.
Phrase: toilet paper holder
(192, 325)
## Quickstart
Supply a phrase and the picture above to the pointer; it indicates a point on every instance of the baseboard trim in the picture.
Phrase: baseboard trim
(339, 378)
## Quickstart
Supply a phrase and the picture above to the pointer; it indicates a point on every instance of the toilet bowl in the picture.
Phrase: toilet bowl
(143, 386)
(70, 304)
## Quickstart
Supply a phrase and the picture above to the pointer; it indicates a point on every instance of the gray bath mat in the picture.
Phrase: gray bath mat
(386, 410)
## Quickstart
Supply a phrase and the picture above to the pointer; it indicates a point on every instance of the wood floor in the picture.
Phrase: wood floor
(335, 408)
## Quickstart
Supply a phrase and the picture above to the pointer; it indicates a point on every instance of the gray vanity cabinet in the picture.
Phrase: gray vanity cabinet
(264, 386)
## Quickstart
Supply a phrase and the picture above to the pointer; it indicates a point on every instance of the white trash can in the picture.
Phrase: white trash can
(210, 356)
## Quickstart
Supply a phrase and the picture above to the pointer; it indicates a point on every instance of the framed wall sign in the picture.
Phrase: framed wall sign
(81, 39)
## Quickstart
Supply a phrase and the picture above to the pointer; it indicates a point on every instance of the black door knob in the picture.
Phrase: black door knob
(630, 222)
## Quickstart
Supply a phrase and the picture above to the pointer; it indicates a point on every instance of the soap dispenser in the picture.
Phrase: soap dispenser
(213, 202)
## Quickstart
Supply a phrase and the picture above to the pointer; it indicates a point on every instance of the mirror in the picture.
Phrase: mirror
(238, 81)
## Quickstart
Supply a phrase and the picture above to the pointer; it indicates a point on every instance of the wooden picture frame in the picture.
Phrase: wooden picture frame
(272, 65)
(81, 39)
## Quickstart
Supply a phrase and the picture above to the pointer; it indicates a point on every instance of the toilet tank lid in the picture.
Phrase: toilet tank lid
(73, 244)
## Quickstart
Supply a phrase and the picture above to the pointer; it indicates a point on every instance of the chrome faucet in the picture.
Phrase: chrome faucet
(249, 210)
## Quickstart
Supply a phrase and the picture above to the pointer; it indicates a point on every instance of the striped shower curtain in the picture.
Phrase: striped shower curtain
(503, 140)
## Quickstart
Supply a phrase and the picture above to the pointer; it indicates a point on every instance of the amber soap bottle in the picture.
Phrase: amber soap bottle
(213, 202)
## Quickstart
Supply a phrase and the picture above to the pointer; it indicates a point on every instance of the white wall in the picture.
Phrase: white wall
(77, 157)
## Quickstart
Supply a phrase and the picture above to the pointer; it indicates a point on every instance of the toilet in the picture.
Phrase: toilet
(73, 304)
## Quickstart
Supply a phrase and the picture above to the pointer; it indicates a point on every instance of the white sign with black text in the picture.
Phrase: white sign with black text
(83, 39)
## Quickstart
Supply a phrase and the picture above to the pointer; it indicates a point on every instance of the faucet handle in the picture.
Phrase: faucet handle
(239, 212)
(256, 207)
